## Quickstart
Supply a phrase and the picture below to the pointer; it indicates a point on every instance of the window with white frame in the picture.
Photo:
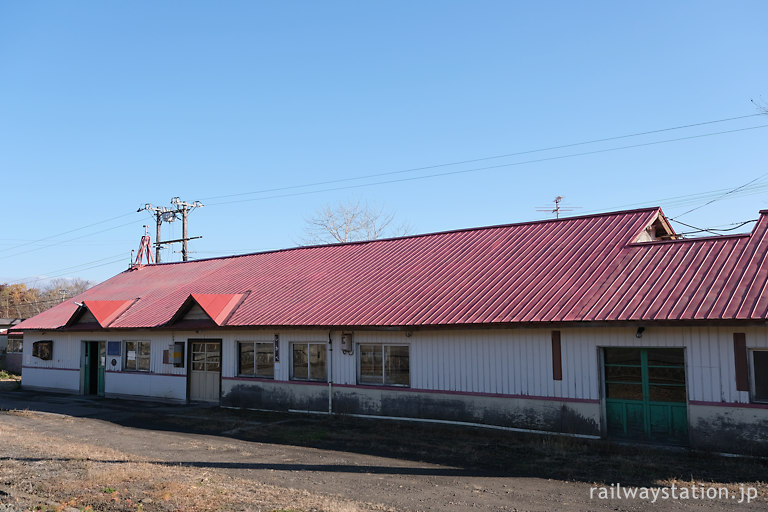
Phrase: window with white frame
(308, 361)
(759, 374)
(137, 356)
(256, 359)
(381, 364)
(15, 346)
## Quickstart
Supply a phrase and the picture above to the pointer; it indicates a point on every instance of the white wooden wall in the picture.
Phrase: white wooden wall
(498, 361)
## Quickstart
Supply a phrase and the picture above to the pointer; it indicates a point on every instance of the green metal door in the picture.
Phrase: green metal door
(102, 367)
(94, 366)
(646, 394)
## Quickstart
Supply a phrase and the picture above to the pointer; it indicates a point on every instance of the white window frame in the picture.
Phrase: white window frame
(148, 357)
(751, 362)
(255, 344)
(309, 361)
(383, 365)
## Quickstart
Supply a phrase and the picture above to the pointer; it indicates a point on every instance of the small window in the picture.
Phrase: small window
(308, 361)
(43, 350)
(387, 365)
(760, 375)
(256, 359)
(137, 356)
(15, 346)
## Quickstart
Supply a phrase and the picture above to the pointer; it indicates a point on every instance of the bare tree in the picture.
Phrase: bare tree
(351, 222)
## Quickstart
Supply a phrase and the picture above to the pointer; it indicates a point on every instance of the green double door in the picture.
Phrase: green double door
(94, 364)
(645, 394)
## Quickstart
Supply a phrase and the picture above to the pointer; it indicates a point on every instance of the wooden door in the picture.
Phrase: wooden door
(205, 370)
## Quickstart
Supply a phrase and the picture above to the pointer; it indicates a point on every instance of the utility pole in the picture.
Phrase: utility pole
(185, 209)
(160, 213)
(165, 214)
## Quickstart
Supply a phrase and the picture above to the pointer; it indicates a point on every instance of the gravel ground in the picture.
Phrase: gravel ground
(62, 452)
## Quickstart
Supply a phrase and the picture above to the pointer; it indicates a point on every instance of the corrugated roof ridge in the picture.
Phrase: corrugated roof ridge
(417, 235)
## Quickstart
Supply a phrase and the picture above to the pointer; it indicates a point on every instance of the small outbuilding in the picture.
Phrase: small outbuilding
(605, 325)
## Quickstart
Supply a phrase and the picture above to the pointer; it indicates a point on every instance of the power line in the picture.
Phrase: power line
(720, 197)
(67, 232)
(736, 225)
(70, 239)
(490, 167)
(474, 160)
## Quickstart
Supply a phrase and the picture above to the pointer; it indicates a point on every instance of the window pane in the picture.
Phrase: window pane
(246, 359)
(371, 364)
(667, 393)
(317, 362)
(624, 373)
(198, 366)
(669, 375)
(213, 363)
(143, 363)
(666, 357)
(144, 349)
(397, 366)
(130, 355)
(198, 347)
(624, 391)
(265, 360)
(622, 356)
(300, 368)
(212, 347)
(760, 363)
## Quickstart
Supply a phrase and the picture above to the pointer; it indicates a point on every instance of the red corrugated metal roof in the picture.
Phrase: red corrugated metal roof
(575, 269)
(104, 311)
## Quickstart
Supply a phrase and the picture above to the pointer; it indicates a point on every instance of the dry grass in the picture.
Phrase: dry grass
(66, 474)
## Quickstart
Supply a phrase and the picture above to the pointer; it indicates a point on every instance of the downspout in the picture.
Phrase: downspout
(330, 373)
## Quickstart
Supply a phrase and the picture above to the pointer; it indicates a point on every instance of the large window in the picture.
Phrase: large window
(308, 361)
(759, 362)
(137, 356)
(387, 365)
(256, 359)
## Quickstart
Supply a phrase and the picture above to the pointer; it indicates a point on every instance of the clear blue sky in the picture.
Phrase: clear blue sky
(105, 106)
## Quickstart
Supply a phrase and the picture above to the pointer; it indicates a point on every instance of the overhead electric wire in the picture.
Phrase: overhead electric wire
(721, 197)
(481, 159)
(736, 225)
(45, 275)
(69, 240)
(490, 167)
(69, 231)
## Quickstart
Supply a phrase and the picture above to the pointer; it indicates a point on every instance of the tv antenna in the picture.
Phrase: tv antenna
(557, 209)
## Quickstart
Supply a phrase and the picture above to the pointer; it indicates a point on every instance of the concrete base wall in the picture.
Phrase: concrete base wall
(59, 380)
(729, 429)
(140, 384)
(526, 413)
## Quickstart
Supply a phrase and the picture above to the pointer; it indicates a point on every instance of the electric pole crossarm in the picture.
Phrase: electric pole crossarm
(177, 240)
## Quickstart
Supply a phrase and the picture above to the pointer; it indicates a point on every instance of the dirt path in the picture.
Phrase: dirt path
(116, 455)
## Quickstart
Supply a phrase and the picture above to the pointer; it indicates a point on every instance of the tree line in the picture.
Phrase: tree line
(21, 301)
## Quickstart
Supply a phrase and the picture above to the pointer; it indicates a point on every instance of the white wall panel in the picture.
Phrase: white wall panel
(493, 361)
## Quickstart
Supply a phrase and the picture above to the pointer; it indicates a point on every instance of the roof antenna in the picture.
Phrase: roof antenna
(557, 209)
(145, 247)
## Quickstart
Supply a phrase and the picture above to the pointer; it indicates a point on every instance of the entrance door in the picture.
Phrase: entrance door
(645, 394)
(205, 370)
(94, 365)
